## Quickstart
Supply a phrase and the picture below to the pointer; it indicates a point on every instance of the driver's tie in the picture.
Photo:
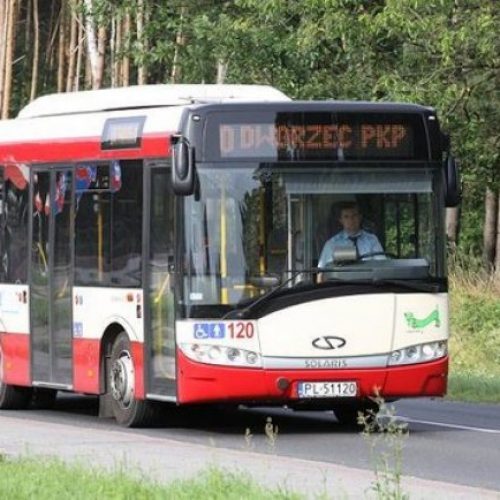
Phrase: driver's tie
(354, 240)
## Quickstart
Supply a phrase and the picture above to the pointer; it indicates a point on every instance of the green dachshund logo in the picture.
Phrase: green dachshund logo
(416, 323)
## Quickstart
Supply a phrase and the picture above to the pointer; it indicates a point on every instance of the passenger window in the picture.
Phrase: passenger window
(14, 217)
(108, 241)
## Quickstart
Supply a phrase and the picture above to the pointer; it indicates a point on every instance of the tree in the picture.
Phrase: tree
(10, 38)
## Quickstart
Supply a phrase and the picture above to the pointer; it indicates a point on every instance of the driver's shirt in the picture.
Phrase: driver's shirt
(366, 242)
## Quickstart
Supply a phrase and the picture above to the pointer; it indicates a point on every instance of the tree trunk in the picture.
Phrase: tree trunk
(490, 228)
(51, 40)
(179, 42)
(9, 56)
(118, 52)
(141, 69)
(95, 45)
(28, 44)
(221, 71)
(3, 46)
(112, 57)
(61, 46)
(79, 54)
(125, 73)
(101, 51)
(73, 48)
(36, 51)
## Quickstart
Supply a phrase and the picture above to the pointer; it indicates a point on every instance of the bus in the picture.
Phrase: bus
(160, 245)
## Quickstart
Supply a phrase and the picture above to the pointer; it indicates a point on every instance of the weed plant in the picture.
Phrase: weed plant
(385, 435)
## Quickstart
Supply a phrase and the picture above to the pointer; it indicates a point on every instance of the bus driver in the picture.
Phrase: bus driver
(365, 243)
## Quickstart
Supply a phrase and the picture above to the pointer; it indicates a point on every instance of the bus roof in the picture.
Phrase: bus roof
(145, 96)
(326, 106)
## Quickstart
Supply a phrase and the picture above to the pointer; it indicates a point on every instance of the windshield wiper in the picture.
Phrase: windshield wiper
(242, 312)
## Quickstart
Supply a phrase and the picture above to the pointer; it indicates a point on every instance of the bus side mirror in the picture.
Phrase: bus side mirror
(183, 167)
(453, 191)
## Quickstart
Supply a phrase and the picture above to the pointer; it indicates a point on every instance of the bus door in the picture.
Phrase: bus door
(159, 282)
(51, 276)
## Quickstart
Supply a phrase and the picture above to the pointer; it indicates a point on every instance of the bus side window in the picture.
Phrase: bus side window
(108, 226)
(14, 239)
(92, 224)
(126, 207)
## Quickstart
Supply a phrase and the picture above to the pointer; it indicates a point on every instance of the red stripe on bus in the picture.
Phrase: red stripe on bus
(81, 150)
(86, 365)
(138, 357)
(426, 379)
(15, 349)
(199, 382)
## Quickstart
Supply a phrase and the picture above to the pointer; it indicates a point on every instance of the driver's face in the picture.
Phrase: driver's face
(350, 218)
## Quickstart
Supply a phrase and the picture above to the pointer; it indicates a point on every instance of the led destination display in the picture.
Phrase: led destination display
(261, 139)
(320, 136)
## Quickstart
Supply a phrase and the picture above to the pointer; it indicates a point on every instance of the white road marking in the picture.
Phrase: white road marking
(451, 426)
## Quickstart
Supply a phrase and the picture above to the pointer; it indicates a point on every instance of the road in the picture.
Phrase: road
(448, 442)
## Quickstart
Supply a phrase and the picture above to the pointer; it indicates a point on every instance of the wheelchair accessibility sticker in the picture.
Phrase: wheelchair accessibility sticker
(209, 330)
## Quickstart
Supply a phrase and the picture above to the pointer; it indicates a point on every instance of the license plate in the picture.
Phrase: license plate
(327, 389)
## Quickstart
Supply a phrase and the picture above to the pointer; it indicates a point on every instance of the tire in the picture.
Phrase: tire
(43, 399)
(348, 415)
(127, 410)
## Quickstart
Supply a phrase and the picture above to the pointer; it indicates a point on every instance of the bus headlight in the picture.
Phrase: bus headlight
(233, 354)
(418, 353)
(252, 357)
(221, 355)
(214, 353)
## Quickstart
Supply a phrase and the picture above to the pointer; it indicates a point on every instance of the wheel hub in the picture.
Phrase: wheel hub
(123, 380)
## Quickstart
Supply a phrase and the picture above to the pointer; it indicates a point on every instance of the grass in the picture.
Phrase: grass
(475, 336)
(51, 479)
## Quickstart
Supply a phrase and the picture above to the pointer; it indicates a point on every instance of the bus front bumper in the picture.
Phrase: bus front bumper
(204, 383)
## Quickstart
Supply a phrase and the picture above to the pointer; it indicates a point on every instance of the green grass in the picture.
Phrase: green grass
(471, 387)
(474, 337)
(50, 479)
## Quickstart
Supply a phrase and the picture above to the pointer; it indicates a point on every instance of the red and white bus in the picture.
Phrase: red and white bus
(161, 244)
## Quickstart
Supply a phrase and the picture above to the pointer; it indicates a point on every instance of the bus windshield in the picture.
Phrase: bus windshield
(255, 220)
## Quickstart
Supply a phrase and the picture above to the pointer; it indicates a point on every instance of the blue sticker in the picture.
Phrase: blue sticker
(77, 329)
(209, 330)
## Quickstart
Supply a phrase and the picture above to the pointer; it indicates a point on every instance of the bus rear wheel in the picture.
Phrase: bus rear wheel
(127, 409)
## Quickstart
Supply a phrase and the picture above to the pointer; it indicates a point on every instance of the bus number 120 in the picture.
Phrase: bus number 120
(241, 330)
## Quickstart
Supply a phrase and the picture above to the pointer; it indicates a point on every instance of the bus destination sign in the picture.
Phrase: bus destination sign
(342, 140)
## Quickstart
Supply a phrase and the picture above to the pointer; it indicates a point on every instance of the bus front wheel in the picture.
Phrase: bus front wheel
(360, 415)
(127, 410)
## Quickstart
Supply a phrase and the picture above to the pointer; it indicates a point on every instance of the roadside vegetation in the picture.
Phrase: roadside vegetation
(51, 479)
(474, 336)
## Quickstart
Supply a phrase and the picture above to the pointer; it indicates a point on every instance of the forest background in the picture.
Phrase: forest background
(440, 53)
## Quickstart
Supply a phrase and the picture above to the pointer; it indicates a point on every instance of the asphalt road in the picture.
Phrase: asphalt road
(450, 442)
